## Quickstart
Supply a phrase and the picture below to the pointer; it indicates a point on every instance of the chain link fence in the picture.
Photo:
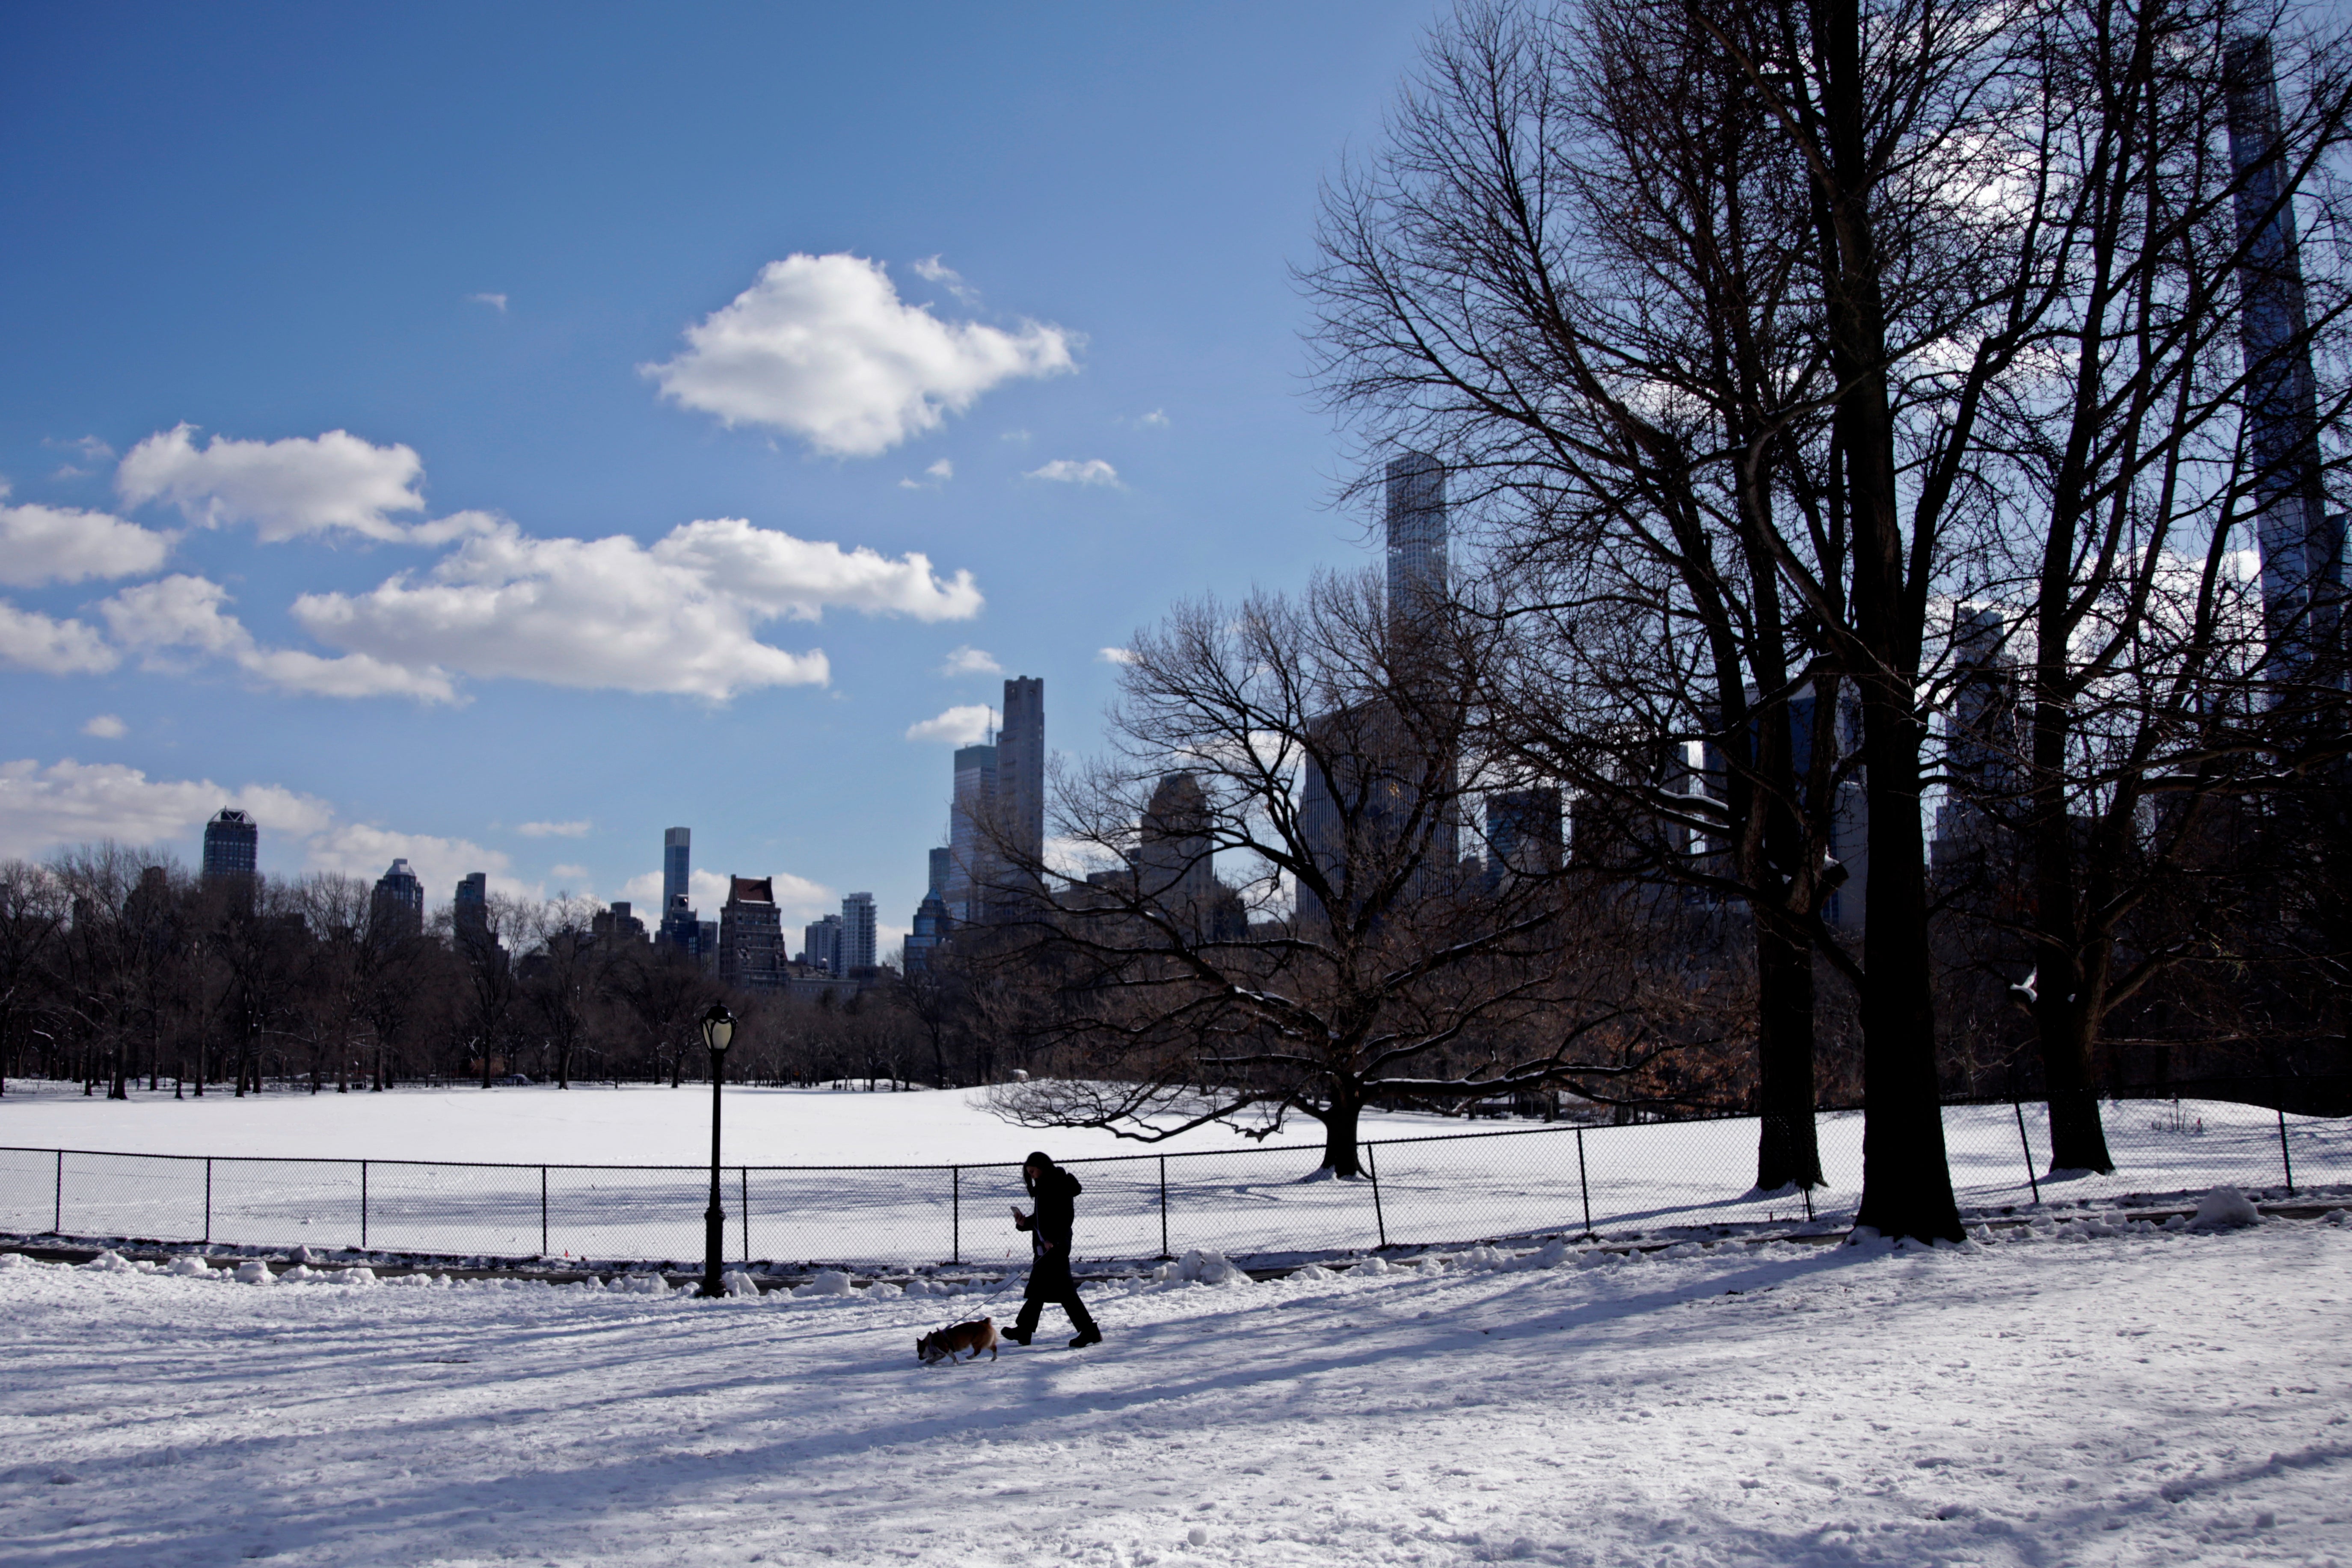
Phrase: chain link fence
(1522, 1183)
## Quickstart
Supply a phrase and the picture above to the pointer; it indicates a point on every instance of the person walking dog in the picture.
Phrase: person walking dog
(1054, 1190)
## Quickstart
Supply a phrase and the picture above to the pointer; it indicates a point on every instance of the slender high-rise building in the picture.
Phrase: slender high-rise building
(1173, 865)
(677, 855)
(942, 867)
(970, 827)
(821, 945)
(469, 909)
(1416, 536)
(1021, 786)
(857, 934)
(2302, 544)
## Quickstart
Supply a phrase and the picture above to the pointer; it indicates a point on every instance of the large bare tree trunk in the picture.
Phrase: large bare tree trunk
(1906, 1184)
(1340, 1154)
(1788, 1152)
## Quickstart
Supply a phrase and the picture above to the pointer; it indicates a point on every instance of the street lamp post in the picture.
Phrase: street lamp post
(717, 1034)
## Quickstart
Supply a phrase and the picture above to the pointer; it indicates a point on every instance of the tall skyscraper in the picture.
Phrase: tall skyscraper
(232, 846)
(1365, 800)
(970, 825)
(2302, 544)
(469, 912)
(1416, 536)
(1417, 588)
(857, 935)
(1173, 865)
(396, 909)
(677, 855)
(751, 935)
(1983, 742)
(943, 867)
(1021, 781)
(821, 945)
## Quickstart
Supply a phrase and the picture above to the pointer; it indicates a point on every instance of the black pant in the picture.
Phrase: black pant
(1049, 1280)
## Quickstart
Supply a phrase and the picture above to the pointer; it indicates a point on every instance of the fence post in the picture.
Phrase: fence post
(363, 1206)
(1583, 1187)
(58, 1217)
(1380, 1219)
(542, 1211)
(1164, 1252)
(955, 1211)
(2286, 1156)
(743, 1189)
(208, 1201)
(2018, 1105)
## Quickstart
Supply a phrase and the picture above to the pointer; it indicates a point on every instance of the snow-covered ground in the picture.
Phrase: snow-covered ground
(2087, 1394)
(286, 1172)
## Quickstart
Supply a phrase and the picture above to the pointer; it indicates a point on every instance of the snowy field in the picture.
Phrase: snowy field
(2083, 1394)
(137, 1173)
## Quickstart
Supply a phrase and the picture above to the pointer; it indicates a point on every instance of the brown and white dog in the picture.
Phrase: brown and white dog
(971, 1338)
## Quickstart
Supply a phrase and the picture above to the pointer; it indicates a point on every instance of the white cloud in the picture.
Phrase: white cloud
(363, 850)
(971, 661)
(184, 611)
(1155, 420)
(495, 301)
(938, 474)
(1077, 471)
(290, 488)
(822, 347)
(106, 727)
(706, 891)
(31, 640)
(555, 829)
(777, 574)
(70, 802)
(88, 449)
(960, 726)
(66, 544)
(798, 899)
(1115, 655)
(285, 488)
(66, 803)
(570, 874)
(613, 614)
(931, 269)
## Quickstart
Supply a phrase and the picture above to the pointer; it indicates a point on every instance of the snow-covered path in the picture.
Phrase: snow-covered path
(2150, 1398)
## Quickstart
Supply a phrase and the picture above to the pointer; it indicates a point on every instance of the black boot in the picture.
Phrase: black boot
(1025, 1325)
(1089, 1335)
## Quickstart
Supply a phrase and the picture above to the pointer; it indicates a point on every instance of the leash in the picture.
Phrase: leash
(1010, 1276)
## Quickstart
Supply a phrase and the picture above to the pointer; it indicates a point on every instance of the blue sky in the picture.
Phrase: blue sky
(457, 432)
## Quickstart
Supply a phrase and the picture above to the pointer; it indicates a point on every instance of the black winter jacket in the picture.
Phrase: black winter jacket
(1054, 1191)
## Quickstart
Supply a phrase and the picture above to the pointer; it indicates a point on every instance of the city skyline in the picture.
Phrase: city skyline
(241, 490)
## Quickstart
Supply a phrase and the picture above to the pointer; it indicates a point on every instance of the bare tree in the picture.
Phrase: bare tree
(562, 974)
(2110, 696)
(32, 919)
(1324, 746)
